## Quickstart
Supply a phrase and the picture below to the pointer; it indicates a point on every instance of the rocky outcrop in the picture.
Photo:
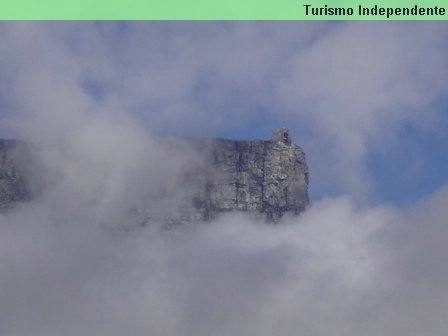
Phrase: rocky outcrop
(13, 186)
(267, 178)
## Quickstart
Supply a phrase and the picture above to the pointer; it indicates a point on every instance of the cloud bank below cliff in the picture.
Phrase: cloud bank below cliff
(335, 268)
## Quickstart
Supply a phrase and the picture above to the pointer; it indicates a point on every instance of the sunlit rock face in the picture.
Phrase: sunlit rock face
(264, 177)
(267, 178)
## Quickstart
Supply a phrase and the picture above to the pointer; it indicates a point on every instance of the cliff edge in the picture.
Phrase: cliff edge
(262, 176)
(268, 178)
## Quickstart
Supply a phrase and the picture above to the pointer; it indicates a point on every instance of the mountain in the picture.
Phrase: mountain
(13, 186)
(268, 178)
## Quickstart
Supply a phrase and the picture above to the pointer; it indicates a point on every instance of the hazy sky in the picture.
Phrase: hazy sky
(367, 102)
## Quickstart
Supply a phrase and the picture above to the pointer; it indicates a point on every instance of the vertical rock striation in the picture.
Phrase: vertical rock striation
(268, 178)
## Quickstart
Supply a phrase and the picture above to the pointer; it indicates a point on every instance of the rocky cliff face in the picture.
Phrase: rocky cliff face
(267, 178)
(13, 187)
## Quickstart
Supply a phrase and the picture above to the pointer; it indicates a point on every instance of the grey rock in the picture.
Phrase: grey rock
(13, 185)
(267, 178)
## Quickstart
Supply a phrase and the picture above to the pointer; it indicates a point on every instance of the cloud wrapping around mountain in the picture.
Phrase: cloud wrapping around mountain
(91, 97)
(74, 260)
(334, 269)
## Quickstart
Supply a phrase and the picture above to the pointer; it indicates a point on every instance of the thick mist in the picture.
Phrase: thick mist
(73, 260)
(93, 99)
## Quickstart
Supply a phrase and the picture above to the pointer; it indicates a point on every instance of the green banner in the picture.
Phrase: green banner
(224, 10)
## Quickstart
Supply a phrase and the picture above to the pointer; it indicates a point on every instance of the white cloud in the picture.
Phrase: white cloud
(66, 267)
(343, 88)
(334, 268)
(359, 83)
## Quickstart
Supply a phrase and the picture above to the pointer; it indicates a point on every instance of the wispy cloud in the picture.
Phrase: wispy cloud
(343, 88)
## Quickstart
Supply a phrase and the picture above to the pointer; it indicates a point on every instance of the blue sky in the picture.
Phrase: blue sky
(366, 100)
(415, 167)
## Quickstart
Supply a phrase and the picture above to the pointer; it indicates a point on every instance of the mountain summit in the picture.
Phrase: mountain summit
(268, 178)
